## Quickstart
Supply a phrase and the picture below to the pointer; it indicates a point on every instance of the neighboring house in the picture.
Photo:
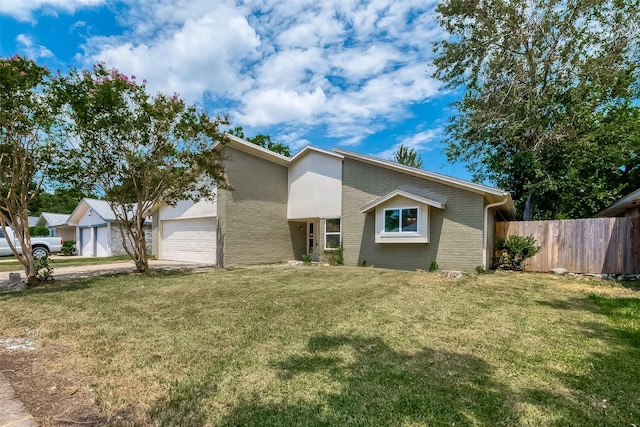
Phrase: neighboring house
(98, 234)
(58, 225)
(33, 220)
(628, 206)
(382, 213)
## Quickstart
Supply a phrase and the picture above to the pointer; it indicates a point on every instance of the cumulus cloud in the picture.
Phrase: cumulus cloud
(32, 50)
(347, 65)
(23, 10)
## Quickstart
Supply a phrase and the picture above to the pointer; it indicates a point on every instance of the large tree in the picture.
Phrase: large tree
(28, 147)
(408, 156)
(542, 80)
(138, 152)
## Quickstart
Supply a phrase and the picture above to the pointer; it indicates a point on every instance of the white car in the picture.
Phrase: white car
(40, 246)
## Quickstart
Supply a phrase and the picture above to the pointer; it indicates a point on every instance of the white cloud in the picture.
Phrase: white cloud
(31, 50)
(352, 65)
(420, 142)
(23, 10)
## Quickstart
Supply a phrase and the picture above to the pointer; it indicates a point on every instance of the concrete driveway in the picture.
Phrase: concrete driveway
(84, 271)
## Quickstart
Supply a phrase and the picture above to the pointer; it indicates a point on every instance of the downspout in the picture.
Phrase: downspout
(486, 225)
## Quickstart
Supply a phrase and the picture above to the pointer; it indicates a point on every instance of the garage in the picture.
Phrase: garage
(190, 240)
(94, 241)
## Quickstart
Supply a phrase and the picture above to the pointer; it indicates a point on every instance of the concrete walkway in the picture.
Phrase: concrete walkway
(12, 411)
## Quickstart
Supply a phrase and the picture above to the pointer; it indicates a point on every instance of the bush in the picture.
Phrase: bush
(335, 256)
(515, 251)
(44, 271)
(68, 247)
(433, 266)
(39, 231)
(306, 259)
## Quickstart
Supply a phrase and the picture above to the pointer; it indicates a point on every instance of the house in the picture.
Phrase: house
(58, 225)
(98, 234)
(382, 213)
(33, 220)
(628, 206)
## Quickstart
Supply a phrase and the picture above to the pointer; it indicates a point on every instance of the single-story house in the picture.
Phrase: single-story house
(98, 234)
(628, 206)
(58, 225)
(380, 212)
(33, 220)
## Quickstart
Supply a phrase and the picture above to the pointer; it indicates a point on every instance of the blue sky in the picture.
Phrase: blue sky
(337, 73)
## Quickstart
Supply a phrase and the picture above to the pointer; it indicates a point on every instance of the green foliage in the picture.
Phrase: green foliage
(408, 156)
(138, 151)
(68, 247)
(550, 106)
(29, 144)
(263, 141)
(62, 200)
(480, 269)
(515, 251)
(335, 256)
(363, 263)
(39, 231)
(433, 266)
(306, 259)
(44, 269)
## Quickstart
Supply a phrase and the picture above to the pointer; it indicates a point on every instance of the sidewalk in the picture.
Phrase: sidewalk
(12, 411)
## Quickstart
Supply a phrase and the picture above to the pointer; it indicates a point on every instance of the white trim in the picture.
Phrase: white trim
(372, 205)
(400, 231)
(307, 148)
(254, 149)
(332, 233)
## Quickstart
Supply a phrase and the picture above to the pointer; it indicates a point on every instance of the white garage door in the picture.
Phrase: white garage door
(86, 241)
(192, 240)
(101, 241)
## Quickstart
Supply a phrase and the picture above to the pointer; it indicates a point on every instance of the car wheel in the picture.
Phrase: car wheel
(40, 252)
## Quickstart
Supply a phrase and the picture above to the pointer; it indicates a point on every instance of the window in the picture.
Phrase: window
(332, 234)
(401, 220)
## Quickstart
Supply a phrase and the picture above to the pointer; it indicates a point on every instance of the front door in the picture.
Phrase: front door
(312, 240)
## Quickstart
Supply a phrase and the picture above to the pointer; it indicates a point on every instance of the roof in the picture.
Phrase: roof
(100, 207)
(255, 149)
(310, 148)
(48, 219)
(401, 193)
(33, 220)
(492, 193)
(627, 202)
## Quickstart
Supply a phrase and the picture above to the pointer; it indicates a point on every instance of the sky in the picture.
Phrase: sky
(353, 74)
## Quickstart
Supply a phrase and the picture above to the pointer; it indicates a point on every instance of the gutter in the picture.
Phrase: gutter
(486, 225)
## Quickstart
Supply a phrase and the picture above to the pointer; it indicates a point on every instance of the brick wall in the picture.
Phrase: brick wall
(253, 226)
(455, 231)
(117, 247)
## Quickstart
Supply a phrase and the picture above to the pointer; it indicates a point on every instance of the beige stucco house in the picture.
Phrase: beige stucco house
(382, 213)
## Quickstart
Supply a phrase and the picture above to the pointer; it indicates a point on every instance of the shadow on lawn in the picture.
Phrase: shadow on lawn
(379, 386)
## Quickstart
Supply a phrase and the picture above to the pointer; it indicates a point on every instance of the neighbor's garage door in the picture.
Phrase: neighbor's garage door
(87, 242)
(192, 240)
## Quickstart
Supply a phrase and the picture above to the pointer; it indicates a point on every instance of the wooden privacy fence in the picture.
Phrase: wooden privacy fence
(595, 245)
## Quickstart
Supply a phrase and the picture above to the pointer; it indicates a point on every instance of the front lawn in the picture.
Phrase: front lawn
(335, 346)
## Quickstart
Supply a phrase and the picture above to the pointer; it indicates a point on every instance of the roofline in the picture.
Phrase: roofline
(255, 149)
(304, 150)
(84, 200)
(620, 204)
(456, 182)
(415, 197)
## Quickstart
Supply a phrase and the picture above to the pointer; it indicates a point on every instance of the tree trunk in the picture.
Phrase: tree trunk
(528, 208)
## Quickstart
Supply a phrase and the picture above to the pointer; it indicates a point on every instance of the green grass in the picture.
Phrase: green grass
(335, 346)
(14, 264)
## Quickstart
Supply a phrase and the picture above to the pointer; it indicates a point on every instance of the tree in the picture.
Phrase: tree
(138, 152)
(541, 81)
(408, 156)
(28, 145)
(62, 200)
(263, 141)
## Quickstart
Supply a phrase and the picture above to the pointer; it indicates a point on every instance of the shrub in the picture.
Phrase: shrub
(433, 266)
(336, 256)
(68, 247)
(39, 231)
(480, 269)
(306, 259)
(515, 250)
(44, 271)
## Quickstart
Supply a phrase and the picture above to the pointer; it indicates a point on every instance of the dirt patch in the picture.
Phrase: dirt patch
(53, 391)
